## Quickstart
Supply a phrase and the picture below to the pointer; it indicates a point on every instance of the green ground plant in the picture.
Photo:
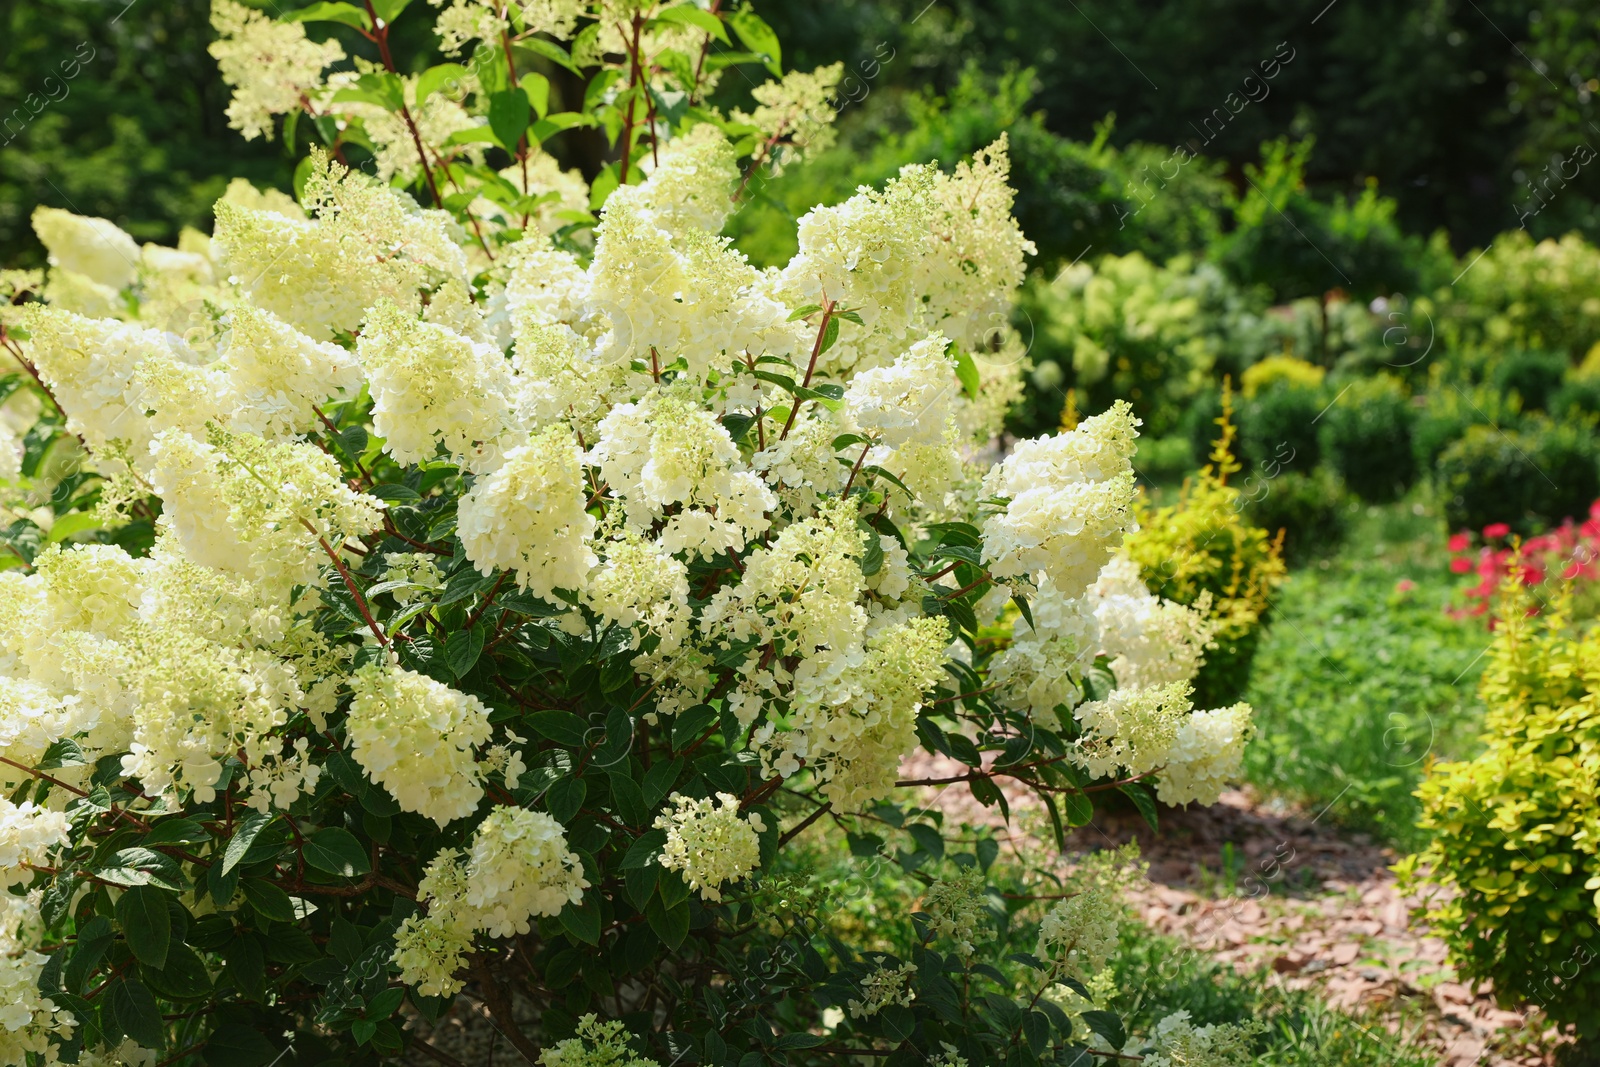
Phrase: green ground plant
(1362, 678)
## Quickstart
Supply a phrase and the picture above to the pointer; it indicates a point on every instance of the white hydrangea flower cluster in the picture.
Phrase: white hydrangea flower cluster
(28, 834)
(96, 250)
(708, 843)
(794, 115)
(518, 867)
(1180, 1043)
(433, 388)
(1079, 934)
(882, 987)
(1206, 755)
(958, 910)
(270, 65)
(271, 512)
(362, 245)
(1069, 500)
(1150, 641)
(28, 1019)
(528, 516)
(417, 738)
(598, 1044)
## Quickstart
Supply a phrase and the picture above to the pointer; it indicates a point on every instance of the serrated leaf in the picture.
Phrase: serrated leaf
(690, 15)
(336, 851)
(756, 35)
(440, 76)
(671, 924)
(564, 798)
(462, 649)
(268, 900)
(250, 828)
(549, 50)
(146, 923)
(136, 1012)
(536, 87)
(1107, 1024)
(389, 10)
(509, 116)
(1142, 800)
(643, 851)
(348, 14)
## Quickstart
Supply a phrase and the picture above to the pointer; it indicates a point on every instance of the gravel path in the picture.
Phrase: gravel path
(1294, 895)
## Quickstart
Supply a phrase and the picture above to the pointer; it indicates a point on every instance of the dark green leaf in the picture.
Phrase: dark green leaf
(176, 832)
(509, 116)
(246, 966)
(671, 924)
(268, 900)
(1036, 1027)
(336, 851)
(146, 923)
(1078, 808)
(183, 978)
(562, 727)
(690, 724)
(628, 799)
(1142, 800)
(462, 649)
(582, 920)
(135, 1011)
(237, 1046)
(250, 828)
(565, 798)
(644, 850)
(1107, 1025)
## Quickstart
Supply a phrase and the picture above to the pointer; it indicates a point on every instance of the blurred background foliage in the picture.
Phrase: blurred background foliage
(1452, 107)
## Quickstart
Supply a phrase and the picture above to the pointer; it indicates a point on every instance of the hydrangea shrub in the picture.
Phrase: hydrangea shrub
(464, 582)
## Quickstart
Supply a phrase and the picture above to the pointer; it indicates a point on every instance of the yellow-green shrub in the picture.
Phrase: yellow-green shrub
(1204, 545)
(1510, 879)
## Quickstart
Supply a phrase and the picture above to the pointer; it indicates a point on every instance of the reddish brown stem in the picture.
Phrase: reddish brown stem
(350, 584)
(811, 367)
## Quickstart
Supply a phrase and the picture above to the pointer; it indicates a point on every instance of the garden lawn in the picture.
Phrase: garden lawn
(1362, 677)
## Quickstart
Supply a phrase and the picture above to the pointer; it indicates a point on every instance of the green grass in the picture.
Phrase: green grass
(1159, 975)
(1357, 684)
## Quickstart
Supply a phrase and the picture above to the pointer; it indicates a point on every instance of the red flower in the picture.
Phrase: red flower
(1460, 542)
(1495, 530)
(1461, 565)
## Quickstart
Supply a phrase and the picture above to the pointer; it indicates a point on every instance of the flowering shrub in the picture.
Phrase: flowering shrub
(410, 599)
(1509, 878)
(1565, 559)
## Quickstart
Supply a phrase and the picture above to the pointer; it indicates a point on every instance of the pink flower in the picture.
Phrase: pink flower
(1460, 542)
(1461, 565)
(1495, 530)
(1404, 585)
